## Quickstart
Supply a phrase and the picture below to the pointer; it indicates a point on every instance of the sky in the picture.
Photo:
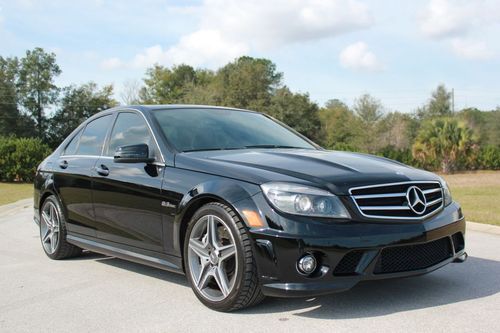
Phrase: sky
(397, 51)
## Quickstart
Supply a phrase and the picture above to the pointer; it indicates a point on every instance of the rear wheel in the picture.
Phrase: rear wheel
(219, 260)
(53, 231)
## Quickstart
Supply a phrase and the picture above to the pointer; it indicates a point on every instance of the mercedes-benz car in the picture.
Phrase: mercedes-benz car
(241, 204)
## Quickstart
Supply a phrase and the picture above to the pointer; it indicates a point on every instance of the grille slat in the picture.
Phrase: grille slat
(413, 257)
(390, 201)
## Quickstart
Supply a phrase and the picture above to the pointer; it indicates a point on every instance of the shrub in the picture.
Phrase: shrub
(400, 155)
(19, 158)
(489, 157)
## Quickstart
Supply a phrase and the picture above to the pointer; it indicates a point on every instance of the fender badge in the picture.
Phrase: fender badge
(167, 204)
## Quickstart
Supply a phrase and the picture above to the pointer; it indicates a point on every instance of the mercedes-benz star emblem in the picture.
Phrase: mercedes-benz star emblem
(416, 200)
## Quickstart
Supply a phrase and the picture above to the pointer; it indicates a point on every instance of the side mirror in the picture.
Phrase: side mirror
(133, 154)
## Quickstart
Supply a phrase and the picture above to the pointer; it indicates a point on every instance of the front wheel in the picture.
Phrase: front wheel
(219, 260)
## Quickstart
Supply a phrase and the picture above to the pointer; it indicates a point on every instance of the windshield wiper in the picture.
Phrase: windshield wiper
(245, 147)
(210, 149)
(274, 146)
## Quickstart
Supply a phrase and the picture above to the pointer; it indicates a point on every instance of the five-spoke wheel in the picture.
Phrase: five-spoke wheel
(219, 260)
(211, 256)
(49, 227)
(53, 231)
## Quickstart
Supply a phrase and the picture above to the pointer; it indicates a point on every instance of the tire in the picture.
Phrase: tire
(53, 231)
(205, 263)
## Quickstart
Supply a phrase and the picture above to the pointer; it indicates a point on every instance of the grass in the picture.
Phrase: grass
(12, 192)
(478, 193)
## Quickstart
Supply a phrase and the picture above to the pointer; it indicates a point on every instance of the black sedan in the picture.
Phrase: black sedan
(240, 203)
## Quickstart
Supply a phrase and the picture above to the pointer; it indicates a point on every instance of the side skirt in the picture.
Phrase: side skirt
(169, 263)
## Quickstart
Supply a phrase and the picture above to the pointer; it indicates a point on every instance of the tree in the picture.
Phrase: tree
(438, 106)
(77, 104)
(297, 111)
(443, 140)
(369, 112)
(163, 85)
(339, 126)
(12, 120)
(248, 83)
(397, 130)
(9, 113)
(130, 92)
(36, 84)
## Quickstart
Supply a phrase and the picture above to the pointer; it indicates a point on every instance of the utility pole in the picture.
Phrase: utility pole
(453, 100)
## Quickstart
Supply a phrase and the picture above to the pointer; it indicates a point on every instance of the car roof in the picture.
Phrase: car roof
(145, 107)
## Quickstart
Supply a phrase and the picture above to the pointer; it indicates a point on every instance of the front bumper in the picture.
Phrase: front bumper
(351, 252)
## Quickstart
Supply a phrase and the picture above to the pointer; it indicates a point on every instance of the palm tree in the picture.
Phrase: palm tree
(443, 140)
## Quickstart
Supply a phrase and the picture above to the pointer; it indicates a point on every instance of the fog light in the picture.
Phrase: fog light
(307, 264)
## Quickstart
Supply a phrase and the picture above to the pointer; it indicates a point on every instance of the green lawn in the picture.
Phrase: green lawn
(12, 192)
(479, 195)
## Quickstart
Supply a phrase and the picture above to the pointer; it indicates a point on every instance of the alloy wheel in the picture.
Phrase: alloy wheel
(50, 227)
(212, 258)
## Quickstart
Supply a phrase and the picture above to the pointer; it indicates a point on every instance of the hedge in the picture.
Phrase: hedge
(19, 158)
(484, 158)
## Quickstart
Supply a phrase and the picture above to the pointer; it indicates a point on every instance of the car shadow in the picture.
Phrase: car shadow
(476, 278)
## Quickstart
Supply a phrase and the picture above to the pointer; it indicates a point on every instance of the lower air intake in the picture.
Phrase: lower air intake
(413, 257)
(348, 264)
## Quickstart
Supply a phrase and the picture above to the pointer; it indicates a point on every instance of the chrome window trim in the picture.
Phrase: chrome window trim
(115, 114)
(416, 218)
(157, 163)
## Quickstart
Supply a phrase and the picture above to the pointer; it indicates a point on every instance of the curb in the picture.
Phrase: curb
(12, 207)
(481, 227)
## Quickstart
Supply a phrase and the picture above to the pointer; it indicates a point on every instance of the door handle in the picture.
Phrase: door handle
(102, 170)
(63, 164)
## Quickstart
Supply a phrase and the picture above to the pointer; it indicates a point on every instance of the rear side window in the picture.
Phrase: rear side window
(93, 136)
(73, 144)
(130, 129)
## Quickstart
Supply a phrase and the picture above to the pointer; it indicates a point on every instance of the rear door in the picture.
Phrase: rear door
(72, 176)
(127, 199)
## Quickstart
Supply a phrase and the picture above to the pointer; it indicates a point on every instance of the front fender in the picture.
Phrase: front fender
(230, 192)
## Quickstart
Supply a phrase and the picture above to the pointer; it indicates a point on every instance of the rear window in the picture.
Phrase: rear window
(73, 144)
(92, 138)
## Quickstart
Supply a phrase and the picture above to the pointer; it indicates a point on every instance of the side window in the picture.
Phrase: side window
(93, 136)
(72, 145)
(130, 129)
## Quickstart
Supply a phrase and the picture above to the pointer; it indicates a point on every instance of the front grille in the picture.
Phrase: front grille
(348, 264)
(413, 257)
(409, 200)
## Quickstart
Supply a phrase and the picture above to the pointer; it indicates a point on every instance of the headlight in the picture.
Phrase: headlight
(446, 193)
(304, 200)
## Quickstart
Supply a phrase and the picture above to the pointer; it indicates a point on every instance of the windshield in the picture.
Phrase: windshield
(219, 129)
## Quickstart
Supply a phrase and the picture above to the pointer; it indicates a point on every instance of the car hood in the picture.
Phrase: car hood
(335, 170)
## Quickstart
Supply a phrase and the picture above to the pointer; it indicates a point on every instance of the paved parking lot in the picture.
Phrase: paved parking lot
(98, 293)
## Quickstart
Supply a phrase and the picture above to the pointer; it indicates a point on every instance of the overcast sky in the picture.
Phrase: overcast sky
(398, 51)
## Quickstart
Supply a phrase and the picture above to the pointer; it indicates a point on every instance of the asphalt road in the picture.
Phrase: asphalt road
(98, 293)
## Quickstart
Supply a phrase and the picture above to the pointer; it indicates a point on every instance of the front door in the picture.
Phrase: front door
(127, 201)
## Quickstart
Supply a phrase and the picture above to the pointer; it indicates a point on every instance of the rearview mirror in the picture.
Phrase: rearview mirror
(133, 154)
